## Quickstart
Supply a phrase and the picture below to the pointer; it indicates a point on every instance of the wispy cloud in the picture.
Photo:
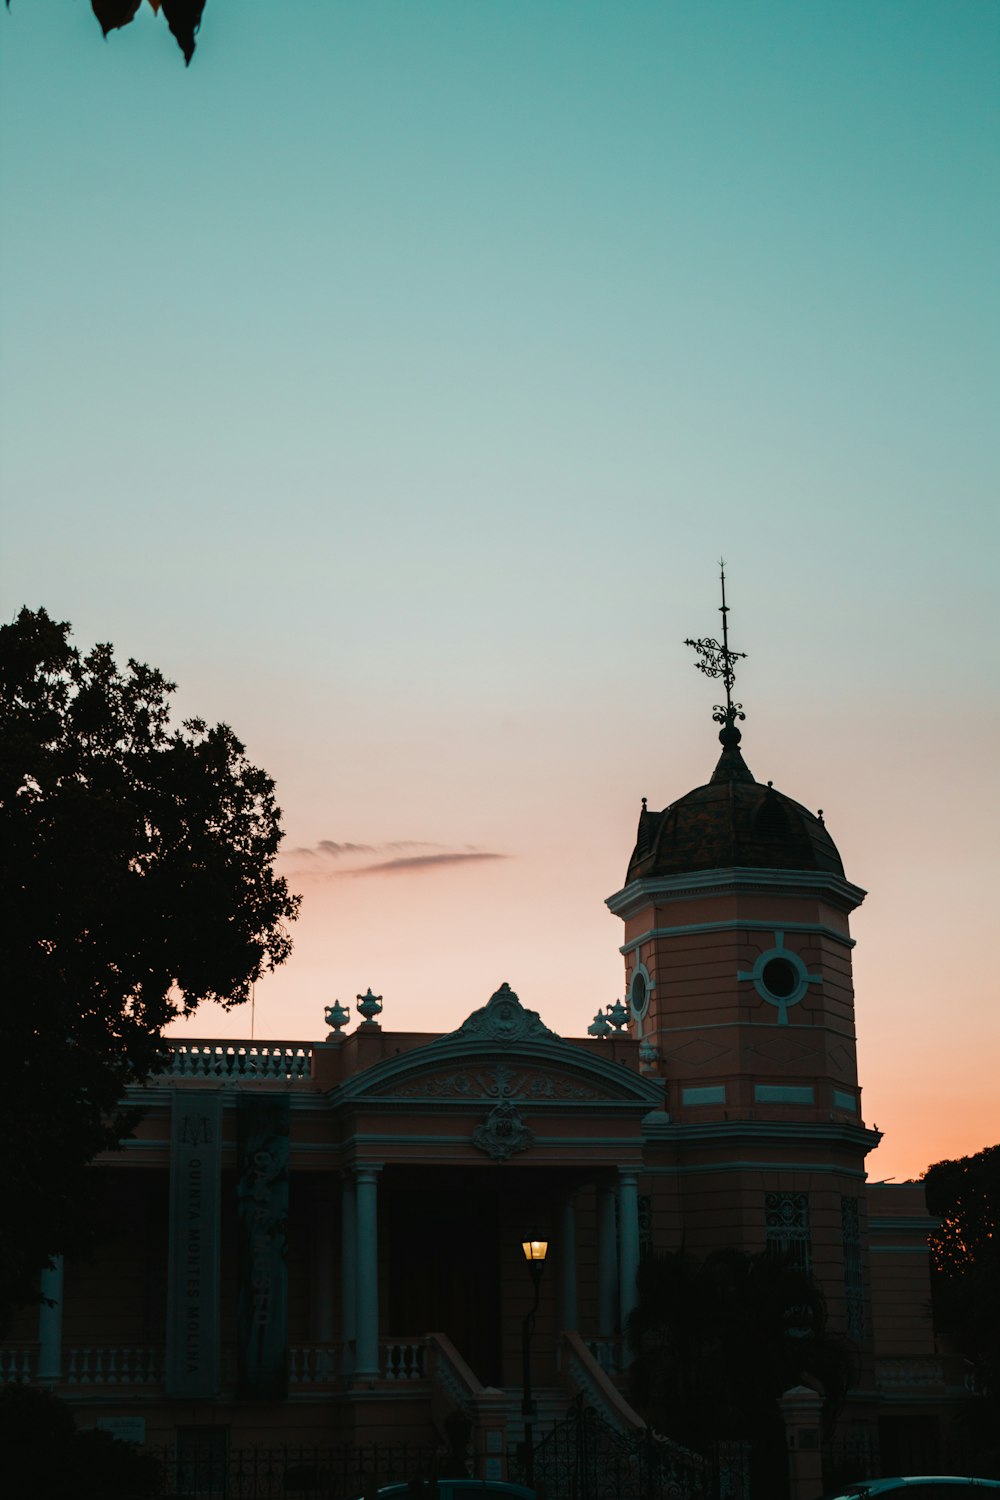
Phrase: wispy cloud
(331, 859)
(424, 862)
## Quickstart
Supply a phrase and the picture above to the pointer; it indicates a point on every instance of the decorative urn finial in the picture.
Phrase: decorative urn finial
(613, 1018)
(618, 1016)
(337, 1016)
(370, 1006)
(649, 1056)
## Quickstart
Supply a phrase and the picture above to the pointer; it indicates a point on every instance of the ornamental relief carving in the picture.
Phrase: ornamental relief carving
(504, 1019)
(499, 1082)
(503, 1132)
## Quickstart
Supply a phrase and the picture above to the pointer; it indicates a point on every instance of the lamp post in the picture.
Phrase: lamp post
(535, 1252)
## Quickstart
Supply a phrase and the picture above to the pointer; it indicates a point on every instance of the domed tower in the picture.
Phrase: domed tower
(738, 976)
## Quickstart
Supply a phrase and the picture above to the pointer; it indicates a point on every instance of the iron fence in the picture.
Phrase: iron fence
(580, 1458)
(584, 1458)
(208, 1471)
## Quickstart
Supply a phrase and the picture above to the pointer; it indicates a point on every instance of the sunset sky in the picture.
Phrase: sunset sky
(394, 377)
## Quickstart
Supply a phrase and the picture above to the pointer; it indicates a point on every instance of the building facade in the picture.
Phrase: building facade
(321, 1242)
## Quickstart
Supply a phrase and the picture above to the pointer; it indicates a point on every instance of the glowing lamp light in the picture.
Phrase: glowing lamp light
(535, 1251)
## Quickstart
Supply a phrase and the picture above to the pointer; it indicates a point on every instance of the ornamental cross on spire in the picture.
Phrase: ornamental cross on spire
(719, 661)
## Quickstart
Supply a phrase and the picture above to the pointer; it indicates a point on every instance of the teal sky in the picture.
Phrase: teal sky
(394, 381)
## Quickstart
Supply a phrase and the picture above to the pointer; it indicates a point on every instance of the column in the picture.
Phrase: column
(607, 1261)
(50, 1323)
(628, 1220)
(366, 1366)
(567, 1256)
(323, 1271)
(348, 1276)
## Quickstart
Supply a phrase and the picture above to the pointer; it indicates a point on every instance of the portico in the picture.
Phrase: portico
(457, 1148)
(383, 1259)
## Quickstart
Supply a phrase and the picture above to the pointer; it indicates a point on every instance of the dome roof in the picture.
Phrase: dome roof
(731, 821)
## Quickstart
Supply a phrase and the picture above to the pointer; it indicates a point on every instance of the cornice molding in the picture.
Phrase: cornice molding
(717, 1132)
(158, 1098)
(639, 893)
(686, 929)
(625, 1153)
(746, 1164)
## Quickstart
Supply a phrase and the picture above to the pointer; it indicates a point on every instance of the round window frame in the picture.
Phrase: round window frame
(640, 971)
(804, 978)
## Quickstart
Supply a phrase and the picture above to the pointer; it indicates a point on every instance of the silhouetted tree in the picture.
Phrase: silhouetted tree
(718, 1340)
(182, 16)
(964, 1195)
(138, 879)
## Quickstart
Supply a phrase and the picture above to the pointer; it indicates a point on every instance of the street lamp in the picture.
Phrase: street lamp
(535, 1252)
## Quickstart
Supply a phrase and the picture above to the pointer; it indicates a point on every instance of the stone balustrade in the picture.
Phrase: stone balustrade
(17, 1364)
(909, 1374)
(115, 1364)
(400, 1361)
(233, 1061)
(314, 1364)
(403, 1359)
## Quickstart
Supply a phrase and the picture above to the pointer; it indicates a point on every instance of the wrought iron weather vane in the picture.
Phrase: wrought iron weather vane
(719, 661)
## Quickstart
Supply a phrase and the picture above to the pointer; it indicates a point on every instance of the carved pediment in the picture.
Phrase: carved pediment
(503, 1019)
(504, 1051)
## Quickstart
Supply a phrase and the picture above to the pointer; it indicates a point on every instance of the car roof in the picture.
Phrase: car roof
(497, 1487)
(905, 1481)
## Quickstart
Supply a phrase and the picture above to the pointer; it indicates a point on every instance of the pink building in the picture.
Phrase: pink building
(320, 1241)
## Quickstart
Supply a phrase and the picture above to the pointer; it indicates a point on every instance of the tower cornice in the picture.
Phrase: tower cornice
(659, 1127)
(639, 893)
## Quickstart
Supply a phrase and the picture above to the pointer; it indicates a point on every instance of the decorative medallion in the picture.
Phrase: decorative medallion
(503, 1132)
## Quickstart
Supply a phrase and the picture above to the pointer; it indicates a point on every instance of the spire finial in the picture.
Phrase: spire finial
(719, 661)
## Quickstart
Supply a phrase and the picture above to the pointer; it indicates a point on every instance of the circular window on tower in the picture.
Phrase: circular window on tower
(638, 991)
(779, 978)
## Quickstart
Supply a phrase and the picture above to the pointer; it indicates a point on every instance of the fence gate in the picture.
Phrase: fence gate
(584, 1458)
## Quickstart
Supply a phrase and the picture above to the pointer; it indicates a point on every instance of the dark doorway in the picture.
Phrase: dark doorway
(444, 1269)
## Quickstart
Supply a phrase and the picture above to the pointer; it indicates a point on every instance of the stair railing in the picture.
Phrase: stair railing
(584, 1376)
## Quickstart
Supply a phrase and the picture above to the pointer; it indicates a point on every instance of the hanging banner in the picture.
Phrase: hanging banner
(262, 1193)
(193, 1259)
